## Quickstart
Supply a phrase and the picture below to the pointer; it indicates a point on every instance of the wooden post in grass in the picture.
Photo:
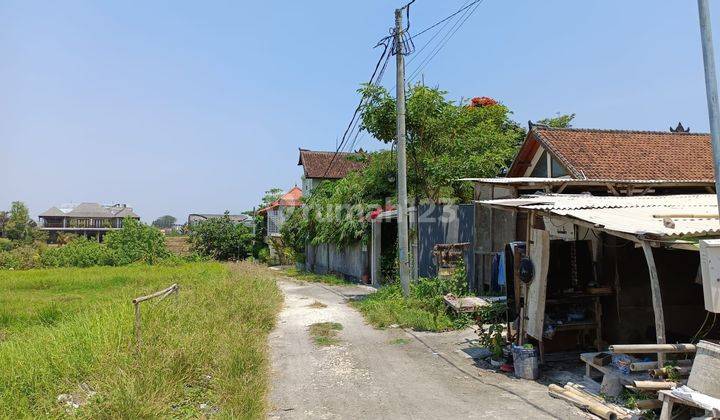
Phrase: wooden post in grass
(162, 294)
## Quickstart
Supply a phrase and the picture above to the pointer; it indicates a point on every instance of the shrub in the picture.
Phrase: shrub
(264, 255)
(221, 238)
(80, 252)
(21, 258)
(5, 244)
(135, 242)
(423, 310)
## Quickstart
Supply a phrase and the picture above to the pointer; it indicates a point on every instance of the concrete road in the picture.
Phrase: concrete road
(385, 374)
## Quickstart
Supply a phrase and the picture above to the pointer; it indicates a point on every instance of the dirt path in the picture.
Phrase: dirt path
(372, 374)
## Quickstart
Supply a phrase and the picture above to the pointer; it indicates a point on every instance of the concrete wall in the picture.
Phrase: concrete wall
(351, 261)
(443, 225)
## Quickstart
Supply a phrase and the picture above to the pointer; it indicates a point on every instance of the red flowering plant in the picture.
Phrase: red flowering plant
(482, 101)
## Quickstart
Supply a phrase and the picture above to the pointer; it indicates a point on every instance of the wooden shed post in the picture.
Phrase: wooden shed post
(656, 299)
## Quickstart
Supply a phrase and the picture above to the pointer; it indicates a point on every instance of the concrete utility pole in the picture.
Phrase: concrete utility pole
(711, 88)
(402, 213)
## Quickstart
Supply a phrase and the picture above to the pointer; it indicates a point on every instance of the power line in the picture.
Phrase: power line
(447, 18)
(446, 23)
(459, 24)
(384, 56)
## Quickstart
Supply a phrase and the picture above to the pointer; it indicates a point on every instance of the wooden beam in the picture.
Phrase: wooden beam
(656, 299)
(612, 190)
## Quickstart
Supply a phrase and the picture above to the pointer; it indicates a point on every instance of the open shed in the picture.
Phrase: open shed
(612, 268)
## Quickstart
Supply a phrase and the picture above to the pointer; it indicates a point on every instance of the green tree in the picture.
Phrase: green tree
(446, 140)
(135, 242)
(164, 222)
(559, 121)
(221, 238)
(18, 226)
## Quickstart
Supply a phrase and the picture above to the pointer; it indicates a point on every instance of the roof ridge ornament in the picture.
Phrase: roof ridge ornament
(679, 129)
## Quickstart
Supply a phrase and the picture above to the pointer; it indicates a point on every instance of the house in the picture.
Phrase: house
(595, 161)
(87, 219)
(616, 155)
(610, 221)
(277, 212)
(244, 219)
(610, 269)
(321, 166)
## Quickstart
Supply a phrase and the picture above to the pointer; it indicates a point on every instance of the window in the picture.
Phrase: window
(541, 168)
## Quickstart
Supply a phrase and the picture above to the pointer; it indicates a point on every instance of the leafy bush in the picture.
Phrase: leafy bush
(5, 244)
(221, 238)
(80, 252)
(21, 258)
(295, 235)
(423, 310)
(135, 242)
(264, 255)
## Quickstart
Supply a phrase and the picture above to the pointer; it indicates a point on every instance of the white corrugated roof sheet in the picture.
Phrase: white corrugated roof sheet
(668, 216)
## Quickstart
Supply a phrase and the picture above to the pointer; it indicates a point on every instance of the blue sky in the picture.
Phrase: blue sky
(178, 107)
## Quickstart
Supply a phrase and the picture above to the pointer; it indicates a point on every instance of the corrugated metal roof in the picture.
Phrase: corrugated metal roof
(659, 216)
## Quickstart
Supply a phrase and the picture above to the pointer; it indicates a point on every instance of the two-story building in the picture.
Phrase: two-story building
(322, 166)
(91, 220)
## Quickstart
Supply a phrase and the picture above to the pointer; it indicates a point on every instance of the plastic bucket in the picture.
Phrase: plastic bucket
(526, 363)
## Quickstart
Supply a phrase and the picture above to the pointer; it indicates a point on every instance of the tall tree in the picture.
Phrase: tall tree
(164, 222)
(19, 227)
(446, 140)
(559, 121)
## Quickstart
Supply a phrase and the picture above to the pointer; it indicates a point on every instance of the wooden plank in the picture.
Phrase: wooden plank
(537, 290)
(656, 299)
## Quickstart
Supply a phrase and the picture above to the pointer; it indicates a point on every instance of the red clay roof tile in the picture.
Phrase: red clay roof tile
(621, 155)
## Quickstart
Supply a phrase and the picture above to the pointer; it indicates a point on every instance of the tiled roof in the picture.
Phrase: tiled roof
(322, 165)
(620, 154)
(292, 198)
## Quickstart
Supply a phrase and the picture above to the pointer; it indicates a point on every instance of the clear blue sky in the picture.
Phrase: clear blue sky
(178, 107)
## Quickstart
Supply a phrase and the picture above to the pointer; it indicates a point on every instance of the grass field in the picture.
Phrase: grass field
(69, 332)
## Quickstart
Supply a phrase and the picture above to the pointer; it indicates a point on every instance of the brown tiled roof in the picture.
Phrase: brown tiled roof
(621, 155)
(321, 164)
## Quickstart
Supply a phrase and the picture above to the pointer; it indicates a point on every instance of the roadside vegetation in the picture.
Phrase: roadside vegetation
(67, 346)
(423, 310)
(314, 278)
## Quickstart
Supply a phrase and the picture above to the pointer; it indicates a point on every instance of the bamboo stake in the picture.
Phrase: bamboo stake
(580, 400)
(654, 385)
(652, 348)
(174, 288)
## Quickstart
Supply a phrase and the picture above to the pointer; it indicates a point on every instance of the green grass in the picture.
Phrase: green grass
(423, 310)
(325, 333)
(67, 331)
(314, 278)
(400, 341)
